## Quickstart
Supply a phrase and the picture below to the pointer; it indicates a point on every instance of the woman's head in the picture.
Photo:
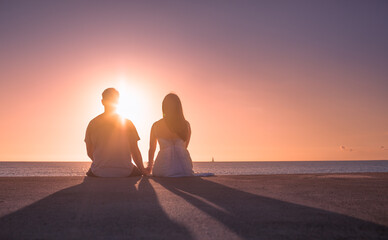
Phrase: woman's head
(173, 114)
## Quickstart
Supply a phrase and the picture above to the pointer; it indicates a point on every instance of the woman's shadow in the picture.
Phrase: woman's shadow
(95, 209)
(256, 217)
(116, 209)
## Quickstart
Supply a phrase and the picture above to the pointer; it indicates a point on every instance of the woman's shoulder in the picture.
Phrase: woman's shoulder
(158, 123)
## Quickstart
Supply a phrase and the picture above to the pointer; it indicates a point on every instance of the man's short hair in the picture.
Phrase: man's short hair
(110, 95)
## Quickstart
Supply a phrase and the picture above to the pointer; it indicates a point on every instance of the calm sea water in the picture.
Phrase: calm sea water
(20, 169)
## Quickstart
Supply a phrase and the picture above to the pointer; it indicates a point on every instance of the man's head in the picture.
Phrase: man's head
(110, 99)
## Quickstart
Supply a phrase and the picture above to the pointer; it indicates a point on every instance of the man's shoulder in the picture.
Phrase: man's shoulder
(129, 123)
(131, 129)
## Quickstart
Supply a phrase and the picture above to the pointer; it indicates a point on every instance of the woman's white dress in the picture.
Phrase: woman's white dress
(173, 159)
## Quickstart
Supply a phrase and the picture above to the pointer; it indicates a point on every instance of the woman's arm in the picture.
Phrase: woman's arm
(151, 151)
(188, 135)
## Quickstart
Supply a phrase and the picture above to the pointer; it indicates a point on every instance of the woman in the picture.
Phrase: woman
(173, 134)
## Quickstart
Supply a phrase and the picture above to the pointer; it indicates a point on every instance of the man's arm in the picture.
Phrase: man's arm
(135, 152)
(136, 155)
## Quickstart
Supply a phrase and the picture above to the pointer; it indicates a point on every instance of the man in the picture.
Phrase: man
(111, 141)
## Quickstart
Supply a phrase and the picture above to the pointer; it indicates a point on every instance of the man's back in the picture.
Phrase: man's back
(109, 136)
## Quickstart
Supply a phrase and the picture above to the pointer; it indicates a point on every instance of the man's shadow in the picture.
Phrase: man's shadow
(256, 217)
(95, 209)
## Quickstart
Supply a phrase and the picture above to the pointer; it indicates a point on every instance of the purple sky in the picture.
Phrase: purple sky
(259, 80)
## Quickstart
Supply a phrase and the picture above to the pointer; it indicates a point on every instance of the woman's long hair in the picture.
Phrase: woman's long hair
(173, 114)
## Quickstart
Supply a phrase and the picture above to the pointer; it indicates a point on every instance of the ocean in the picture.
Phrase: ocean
(24, 169)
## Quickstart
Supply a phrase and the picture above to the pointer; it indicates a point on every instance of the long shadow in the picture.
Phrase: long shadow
(95, 209)
(255, 217)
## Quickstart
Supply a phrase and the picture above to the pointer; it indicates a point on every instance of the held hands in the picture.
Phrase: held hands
(147, 171)
(149, 168)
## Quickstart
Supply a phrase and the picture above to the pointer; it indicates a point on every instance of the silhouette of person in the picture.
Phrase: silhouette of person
(111, 141)
(173, 133)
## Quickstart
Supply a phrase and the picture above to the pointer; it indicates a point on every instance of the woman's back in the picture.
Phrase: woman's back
(162, 131)
(173, 159)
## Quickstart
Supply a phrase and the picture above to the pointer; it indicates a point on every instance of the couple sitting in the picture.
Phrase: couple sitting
(111, 141)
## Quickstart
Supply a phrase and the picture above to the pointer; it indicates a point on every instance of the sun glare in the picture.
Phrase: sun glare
(132, 103)
(136, 104)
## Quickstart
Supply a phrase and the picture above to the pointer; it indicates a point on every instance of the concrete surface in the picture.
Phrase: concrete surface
(309, 206)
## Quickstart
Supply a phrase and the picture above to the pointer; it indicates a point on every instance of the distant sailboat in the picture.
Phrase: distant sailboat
(212, 159)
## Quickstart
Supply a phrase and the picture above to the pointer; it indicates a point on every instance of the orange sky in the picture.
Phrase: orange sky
(255, 87)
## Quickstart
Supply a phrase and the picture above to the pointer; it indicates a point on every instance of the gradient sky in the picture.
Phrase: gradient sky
(259, 80)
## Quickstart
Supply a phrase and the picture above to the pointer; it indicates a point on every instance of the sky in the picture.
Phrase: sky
(258, 80)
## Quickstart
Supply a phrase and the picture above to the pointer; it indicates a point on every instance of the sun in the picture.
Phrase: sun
(132, 102)
(137, 105)
(135, 102)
